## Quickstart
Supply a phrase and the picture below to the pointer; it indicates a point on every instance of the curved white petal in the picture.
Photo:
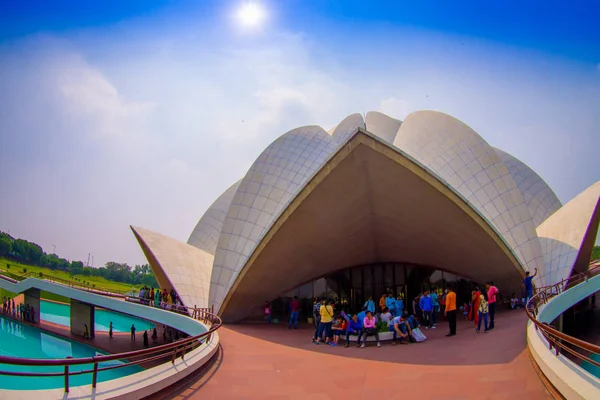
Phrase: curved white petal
(206, 233)
(540, 199)
(347, 127)
(568, 235)
(178, 266)
(272, 181)
(382, 125)
(461, 157)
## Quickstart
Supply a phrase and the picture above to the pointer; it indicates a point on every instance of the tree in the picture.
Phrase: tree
(5, 246)
(595, 253)
(149, 280)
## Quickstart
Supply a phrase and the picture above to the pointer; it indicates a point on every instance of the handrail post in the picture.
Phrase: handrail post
(67, 376)
(174, 355)
(95, 375)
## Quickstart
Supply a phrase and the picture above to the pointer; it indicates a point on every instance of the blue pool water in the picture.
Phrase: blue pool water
(18, 340)
(59, 313)
(591, 368)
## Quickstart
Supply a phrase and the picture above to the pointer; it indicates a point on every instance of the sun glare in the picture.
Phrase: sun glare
(251, 14)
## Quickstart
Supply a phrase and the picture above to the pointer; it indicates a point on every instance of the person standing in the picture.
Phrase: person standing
(492, 296)
(436, 308)
(326, 313)
(399, 305)
(450, 311)
(110, 330)
(316, 317)
(483, 311)
(528, 285)
(390, 303)
(145, 338)
(157, 298)
(295, 308)
(382, 303)
(370, 304)
(267, 311)
(132, 333)
(426, 305)
(475, 299)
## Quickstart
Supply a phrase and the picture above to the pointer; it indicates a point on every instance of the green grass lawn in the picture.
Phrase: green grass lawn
(16, 272)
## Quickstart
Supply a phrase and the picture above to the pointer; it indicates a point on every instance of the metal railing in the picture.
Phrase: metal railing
(65, 282)
(579, 349)
(173, 350)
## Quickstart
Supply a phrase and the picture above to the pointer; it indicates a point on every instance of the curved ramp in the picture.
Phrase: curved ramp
(169, 318)
(572, 381)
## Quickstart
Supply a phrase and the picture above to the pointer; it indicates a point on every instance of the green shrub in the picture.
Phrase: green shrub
(382, 326)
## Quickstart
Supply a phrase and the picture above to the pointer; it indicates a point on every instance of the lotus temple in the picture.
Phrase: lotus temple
(375, 204)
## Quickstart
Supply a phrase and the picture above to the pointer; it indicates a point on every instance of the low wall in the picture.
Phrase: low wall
(572, 381)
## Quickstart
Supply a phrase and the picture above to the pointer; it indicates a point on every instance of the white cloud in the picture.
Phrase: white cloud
(89, 95)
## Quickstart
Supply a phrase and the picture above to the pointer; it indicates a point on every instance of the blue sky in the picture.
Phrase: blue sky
(117, 113)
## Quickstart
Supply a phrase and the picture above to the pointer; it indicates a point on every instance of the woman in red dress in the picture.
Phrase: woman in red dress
(475, 300)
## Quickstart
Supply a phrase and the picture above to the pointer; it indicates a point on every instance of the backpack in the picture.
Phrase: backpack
(418, 335)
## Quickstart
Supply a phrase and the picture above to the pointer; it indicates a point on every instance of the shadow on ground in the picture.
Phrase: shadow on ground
(500, 346)
(193, 383)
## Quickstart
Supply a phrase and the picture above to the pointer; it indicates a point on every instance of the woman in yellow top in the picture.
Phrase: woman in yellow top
(326, 313)
(484, 310)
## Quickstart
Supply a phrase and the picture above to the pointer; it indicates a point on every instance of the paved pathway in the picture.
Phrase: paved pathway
(271, 362)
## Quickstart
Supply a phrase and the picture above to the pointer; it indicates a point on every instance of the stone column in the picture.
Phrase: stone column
(32, 297)
(82, 314)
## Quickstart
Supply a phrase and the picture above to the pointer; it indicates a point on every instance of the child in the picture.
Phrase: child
(267, 309)
(339, 328)
(466, 308)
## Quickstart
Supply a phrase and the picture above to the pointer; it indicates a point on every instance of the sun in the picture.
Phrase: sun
(251, 14)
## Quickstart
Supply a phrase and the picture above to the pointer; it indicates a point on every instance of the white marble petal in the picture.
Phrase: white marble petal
(178, 265)
(347, 127)
(269, 185)
(563, 233)
(382, 125)
(206, 233)
(461, 157)
(540, 199)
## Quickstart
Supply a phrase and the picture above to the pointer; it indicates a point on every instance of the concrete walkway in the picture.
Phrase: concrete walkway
(271, 362)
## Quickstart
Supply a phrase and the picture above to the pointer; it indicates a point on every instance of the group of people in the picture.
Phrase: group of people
(331, 326)
(169, 335)
(157, 298)
(482, 307)
(20, 311)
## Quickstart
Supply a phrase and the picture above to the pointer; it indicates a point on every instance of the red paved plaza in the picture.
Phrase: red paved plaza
(271, 362)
